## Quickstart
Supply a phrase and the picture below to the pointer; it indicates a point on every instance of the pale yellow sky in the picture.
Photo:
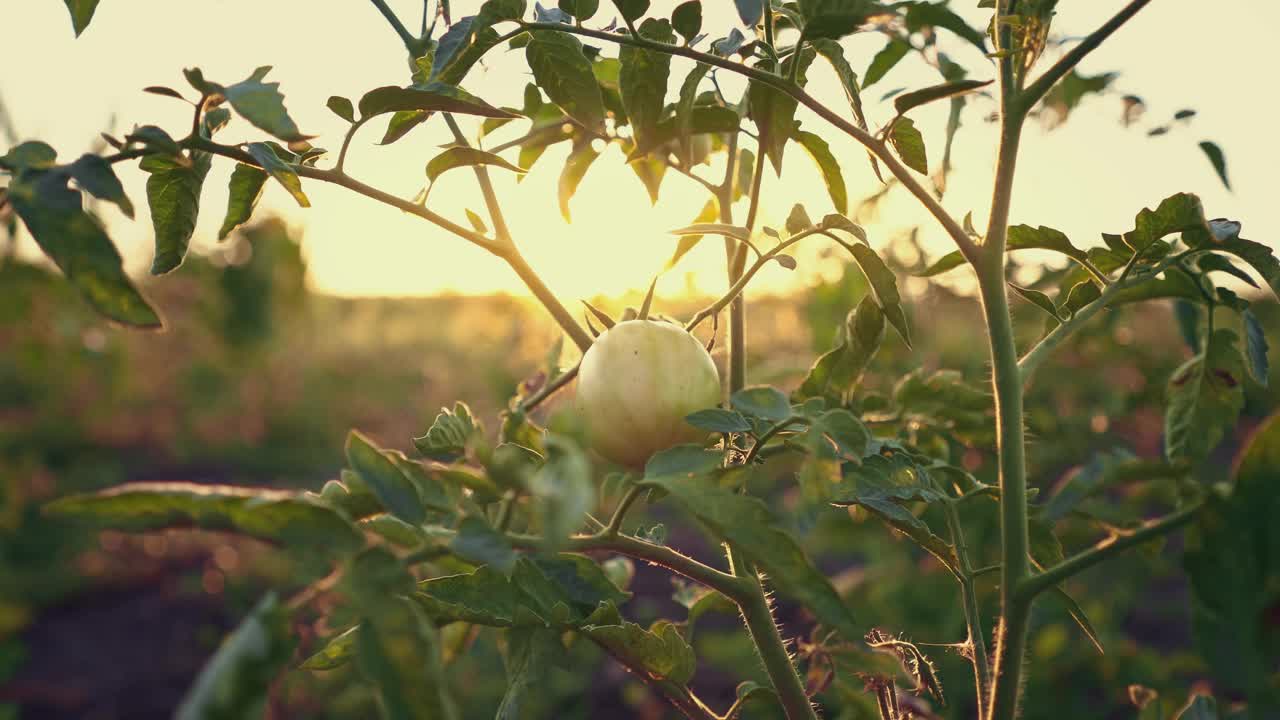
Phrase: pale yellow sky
(1087, 177)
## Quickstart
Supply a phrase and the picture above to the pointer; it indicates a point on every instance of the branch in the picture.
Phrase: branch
(550, 388)
(337, 178)
(737, 288)
(878, 148)
(972, 610)
(1043, 349)
(683, 565)
(1112, 546)
(346, 143)
(486, 186)
(1058, 70)
(410, 42)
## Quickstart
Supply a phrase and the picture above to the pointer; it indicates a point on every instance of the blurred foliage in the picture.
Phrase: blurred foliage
(255, 383)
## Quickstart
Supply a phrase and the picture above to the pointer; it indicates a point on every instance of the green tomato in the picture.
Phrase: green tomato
(637, 383)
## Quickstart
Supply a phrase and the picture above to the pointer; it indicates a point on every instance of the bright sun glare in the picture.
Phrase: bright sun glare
(1080, 178)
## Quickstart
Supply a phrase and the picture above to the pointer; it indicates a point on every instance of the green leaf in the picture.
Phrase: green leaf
(379, 471)
(710, 211)
(563, 490)
(463, 156)
(1205, 398)
(484, 597)
(55, 217)
(530, 657)
(687, 20)
(1020, 237)
(467, 40)
(95, 176)
(1072, 608)
(631, 9)
(643, 81)
(1037, 298)
(828, 166)
(884, 61)
(773, 111)
(275, 516)
(746, 523)
(1257, 255)
(337, 651)
(684, 105)
(798, 220)
(682, 461)
(574, 580)
(718, 420)
(580, 9)
(736, 232)
(881, 485)
(762, 401)
(909, 144)
(564, 74)
(833, 19)
(450, 433)
(481, 544)
(837, 373)
(263, 106)
(1176, 213)
(30, 155)
(1217, 159)
(243, 193)
(341, 107)
(283, 174)
(397, 647)
(401, 122)
(1232, 556)
(575, 168)
(173, 192)
(1255, 342)
(749, 11)
(906, 102)
(81, 13)
(938, 14)
(885, 287)
(236, 680)
(428, 97)
(659, 652)
(836, 221)
(831, 438)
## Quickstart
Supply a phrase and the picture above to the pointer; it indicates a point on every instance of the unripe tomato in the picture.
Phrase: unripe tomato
(637, 383)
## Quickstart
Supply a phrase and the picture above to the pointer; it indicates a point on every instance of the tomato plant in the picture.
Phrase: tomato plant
(500, 530)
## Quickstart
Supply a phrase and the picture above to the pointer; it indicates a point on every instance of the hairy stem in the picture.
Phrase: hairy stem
(1006, 681)
(972, 611)
(758, 617)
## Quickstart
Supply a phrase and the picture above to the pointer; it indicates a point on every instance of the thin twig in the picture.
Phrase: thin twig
(1037, 90)
(1118, 543)
(410, 42)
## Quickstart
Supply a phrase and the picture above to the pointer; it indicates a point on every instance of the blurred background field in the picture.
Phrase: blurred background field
(257, 379)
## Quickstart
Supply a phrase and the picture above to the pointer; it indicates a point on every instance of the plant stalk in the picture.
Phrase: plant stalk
(1011, 638)
(972, 610)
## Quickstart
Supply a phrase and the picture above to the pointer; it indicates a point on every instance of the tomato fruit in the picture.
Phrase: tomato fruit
(637, 383)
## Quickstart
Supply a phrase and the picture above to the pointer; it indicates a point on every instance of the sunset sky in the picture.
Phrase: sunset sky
(1087, 177)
